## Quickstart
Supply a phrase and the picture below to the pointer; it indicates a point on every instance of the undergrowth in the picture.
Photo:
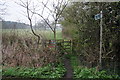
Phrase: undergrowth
(25, 51)
(49, 71)
(85, 73)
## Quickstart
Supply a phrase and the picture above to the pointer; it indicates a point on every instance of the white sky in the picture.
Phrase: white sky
(14, 12)
(17, 13)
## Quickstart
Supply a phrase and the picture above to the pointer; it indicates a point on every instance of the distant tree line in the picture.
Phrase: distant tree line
(14, 25)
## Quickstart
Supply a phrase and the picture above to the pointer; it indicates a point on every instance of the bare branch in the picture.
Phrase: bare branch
(23, 13)
(61, 3)
(23, 4)
(44, 6)
(55, 13)
(65, 5)
(109, 52)
(3, 8)
(44, 20)
(29, 18)
(29, 2)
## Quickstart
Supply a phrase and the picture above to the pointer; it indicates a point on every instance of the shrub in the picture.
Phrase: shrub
(24, 51)
(85, 73)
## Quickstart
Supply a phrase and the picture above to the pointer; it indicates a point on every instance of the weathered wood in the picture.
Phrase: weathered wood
(62, 45)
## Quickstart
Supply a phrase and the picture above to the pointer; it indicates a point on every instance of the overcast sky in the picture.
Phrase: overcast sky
(14, 12)
(17, 13)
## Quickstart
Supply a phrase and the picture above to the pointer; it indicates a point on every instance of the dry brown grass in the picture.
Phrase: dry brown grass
(24, 51)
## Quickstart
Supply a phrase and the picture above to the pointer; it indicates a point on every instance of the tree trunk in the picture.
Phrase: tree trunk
(55, 38)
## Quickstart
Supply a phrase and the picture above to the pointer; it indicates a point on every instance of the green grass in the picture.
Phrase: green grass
(43, 72)
(48, 34)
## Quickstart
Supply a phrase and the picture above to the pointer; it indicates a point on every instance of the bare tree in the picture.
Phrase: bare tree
(30, 16)
(54, 12)
(3, 8)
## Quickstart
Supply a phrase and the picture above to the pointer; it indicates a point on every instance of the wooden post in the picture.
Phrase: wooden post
(100, 55)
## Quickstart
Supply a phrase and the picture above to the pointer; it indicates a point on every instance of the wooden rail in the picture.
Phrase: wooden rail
(64, 46)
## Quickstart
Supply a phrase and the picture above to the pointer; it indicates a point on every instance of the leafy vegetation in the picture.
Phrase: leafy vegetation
(84, 72)
(49, 71)
(79, 23)
(21, 48)
(80, 72)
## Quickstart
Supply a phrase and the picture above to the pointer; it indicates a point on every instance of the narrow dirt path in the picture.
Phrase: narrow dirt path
(69, 72)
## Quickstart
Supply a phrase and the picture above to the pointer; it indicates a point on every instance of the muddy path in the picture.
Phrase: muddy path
(69, 72)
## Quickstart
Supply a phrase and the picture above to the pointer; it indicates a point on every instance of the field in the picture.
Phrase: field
(47, 34)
